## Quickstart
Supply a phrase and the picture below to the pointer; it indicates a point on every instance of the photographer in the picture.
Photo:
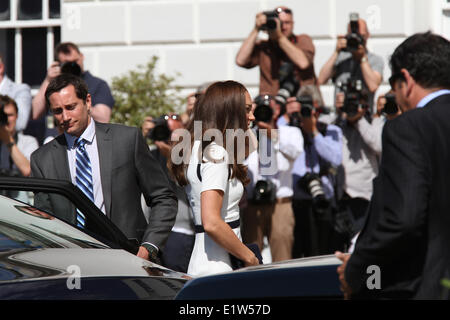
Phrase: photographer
(69, 59)
(269, 210)
(313, 174)
(16, 147)
(178, 248)
(361, 152)
(352, 60)
(282, 46)
(387, 107)
(20, 92)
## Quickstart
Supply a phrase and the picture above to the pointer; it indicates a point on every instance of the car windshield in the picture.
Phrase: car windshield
(24, 226)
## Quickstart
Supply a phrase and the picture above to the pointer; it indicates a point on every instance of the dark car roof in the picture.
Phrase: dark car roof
(314, 277)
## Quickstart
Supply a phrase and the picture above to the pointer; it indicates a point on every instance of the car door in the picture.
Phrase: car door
(62, 199)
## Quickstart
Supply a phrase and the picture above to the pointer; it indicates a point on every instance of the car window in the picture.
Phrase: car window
(59, 205)
(52, 203)
(24, 226)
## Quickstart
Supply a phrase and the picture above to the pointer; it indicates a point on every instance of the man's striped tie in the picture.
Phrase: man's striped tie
(83, 176)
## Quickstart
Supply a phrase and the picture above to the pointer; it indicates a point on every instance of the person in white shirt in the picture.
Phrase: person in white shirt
(214, 178)
(360, 158)
(21, 94)
(272, 217)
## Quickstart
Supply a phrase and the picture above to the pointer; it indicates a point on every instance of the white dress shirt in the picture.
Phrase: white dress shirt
(92, 150)
(284, 150)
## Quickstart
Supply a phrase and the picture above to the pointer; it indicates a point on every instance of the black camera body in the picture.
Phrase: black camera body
(288, 83)
(265, 192)
(295, 118)
(71, 67)
(313, 185)
(271, 23)
(354, 97)
(263, 112)
(161, 131)
(390, 106)
(354, 39)
(306, 102)
(3, 116)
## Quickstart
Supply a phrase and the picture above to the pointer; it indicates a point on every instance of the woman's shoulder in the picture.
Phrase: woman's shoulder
(215, 153)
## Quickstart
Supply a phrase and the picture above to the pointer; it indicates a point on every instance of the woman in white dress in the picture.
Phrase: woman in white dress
(214, 178)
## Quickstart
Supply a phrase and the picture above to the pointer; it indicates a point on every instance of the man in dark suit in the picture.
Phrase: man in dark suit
(404, 249)
(119, 165)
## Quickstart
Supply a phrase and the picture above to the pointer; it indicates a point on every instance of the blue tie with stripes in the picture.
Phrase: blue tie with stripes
(83, 176)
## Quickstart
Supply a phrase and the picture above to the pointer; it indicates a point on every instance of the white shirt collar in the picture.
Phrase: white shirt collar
(432, 96)
(88, 135)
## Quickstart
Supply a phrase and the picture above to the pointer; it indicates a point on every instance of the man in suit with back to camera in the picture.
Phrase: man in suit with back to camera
(110, 163)
(403, 250)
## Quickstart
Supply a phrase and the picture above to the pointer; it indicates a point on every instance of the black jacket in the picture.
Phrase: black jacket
(407, 232)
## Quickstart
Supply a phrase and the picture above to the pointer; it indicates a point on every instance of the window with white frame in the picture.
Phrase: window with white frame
(29, 31)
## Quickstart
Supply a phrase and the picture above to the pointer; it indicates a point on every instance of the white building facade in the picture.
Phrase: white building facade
(199, 39)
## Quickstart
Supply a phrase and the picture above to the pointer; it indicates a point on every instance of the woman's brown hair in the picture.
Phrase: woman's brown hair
(221, 107)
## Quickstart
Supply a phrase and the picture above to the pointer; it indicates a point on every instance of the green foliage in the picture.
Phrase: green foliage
(141, 93)
(445, 283)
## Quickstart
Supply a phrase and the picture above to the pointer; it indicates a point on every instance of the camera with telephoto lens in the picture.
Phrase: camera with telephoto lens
(354, 96)
(271, 23)
(264, 192)
(313, 185)
(354, 39)
(390, 107)
(161, 131)
(71, 67)
(306, 103)
(263, 112)
(288, 83)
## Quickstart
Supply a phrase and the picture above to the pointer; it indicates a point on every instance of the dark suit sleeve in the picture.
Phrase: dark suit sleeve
(41, 199)
(158, 194)
(392, 236)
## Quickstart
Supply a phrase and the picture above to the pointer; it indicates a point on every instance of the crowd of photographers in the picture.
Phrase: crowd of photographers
(312, 197)
(330, 161)
(311, 178)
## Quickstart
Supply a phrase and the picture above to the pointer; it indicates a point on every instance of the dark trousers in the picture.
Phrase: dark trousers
(177, 251)
(313, 233)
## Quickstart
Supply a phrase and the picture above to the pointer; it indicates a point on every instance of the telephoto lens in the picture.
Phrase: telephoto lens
(263, 112)
(71, 67)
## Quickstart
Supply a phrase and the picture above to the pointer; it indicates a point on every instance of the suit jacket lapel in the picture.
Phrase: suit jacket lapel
(104, 146)
(60, 161)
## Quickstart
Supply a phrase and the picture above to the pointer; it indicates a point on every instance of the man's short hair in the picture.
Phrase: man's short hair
(64, 80)
(5, 100)
(426, 56)
(65, 48)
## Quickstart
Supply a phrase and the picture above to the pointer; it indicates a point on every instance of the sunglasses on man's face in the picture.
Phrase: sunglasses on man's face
(395, 77)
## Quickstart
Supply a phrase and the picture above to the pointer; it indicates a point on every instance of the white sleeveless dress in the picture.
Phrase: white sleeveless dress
(208, 257)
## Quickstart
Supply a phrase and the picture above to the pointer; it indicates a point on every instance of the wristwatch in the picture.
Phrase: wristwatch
(152, 252)
(10, 144)
(364, 59)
